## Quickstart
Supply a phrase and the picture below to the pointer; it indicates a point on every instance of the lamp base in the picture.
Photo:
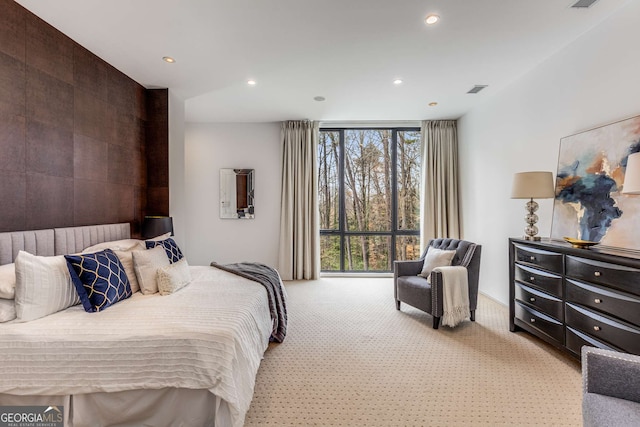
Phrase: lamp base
(531, 218)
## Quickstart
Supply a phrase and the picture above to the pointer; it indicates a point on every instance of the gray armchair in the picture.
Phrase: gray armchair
(426, 295)
(611, 388)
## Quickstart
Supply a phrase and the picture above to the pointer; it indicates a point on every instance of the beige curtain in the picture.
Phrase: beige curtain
(299, 256)
(440, 216)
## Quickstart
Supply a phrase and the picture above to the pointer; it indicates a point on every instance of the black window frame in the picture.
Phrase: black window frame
(394, 232)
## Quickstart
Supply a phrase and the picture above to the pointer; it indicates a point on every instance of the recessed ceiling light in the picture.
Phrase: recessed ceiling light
(431, 19)
(397, 82)
(168, 59)
(319, 98)
(251, 82)
(433, 104)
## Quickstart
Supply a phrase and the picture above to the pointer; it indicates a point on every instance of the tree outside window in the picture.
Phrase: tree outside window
(369, 198)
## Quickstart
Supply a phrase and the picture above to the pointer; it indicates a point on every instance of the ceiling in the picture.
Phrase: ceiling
(347, 51)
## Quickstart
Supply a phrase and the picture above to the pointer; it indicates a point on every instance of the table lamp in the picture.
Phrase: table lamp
(532, 185)
(154, 226)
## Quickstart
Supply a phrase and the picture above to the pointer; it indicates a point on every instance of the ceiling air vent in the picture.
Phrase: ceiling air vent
(477, 88)
(580, 4)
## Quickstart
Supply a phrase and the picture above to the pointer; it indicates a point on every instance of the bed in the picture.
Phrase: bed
(189, 358)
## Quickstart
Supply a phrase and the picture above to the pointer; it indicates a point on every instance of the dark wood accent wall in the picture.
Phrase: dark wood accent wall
(73, 133)
(157, 153)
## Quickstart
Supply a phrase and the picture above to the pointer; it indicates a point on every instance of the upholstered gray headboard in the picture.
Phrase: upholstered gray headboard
(59, 241)
(75, 239)
(38, 242)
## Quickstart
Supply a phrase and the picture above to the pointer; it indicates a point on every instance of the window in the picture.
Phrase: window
(369, 198)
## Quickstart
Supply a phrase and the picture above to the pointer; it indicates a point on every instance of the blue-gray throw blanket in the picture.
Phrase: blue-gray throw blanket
(270, 279)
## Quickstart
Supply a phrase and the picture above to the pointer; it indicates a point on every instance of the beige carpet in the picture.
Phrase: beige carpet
(351, 359)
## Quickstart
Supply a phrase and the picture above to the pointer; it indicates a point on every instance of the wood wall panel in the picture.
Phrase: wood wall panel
(49, 201)
(12, 30)
(158, 200)
(12, 85)
(93, 117)
(13, 193)
(89, 158)
(49, 150)
(89, 202)
(157, 152)
(49, 50)
(139, 205)
(74, 133)
(90, 73)
(49, 100)
(129, 131)
(121, 167)
(12, 143)
(121, 92)
(120, 202)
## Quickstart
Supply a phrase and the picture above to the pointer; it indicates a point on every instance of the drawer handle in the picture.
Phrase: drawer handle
(532, 299)
(596, 328)
(597, 300)
(532, 258)
(533, 320)
(597, 273)
(533, 279)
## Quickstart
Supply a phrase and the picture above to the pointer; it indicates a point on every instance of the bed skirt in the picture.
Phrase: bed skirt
(164, 407)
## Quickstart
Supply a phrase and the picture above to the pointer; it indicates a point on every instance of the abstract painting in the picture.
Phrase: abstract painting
(589, 204)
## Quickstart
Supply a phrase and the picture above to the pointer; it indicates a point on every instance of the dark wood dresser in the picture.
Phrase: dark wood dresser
(572, 297)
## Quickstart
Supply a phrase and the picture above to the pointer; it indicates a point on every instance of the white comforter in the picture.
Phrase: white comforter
(211, 335)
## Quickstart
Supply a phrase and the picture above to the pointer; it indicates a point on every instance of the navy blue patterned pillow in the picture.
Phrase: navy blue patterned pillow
(99, 278)
(170, 247)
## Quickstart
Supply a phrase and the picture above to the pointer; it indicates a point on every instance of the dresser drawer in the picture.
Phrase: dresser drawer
(540, 301)
(618, 276)
(617, 304)
(576, 339)
(551, 261)
(603, 328)
(540, 321)
(547, 282)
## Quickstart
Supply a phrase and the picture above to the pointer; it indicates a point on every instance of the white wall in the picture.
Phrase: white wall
(210, 147)
(592, 82)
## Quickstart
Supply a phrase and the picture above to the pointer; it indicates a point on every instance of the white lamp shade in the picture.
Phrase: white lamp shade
(533, 185)
(632, 175)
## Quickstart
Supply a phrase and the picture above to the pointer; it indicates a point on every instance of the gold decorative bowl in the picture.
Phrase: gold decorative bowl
(580, 244)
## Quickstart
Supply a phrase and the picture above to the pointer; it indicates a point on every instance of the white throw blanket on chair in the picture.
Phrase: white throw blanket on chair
(455, 294)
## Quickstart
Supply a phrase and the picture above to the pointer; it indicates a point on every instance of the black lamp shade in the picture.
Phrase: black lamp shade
(154, 226)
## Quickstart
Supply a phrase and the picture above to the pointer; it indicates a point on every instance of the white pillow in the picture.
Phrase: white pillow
(43, 286)
(173, 277)
(146, 264)
(116, 245)
(7, 310)
(7, 281)
(126, 258)
(436, 258)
